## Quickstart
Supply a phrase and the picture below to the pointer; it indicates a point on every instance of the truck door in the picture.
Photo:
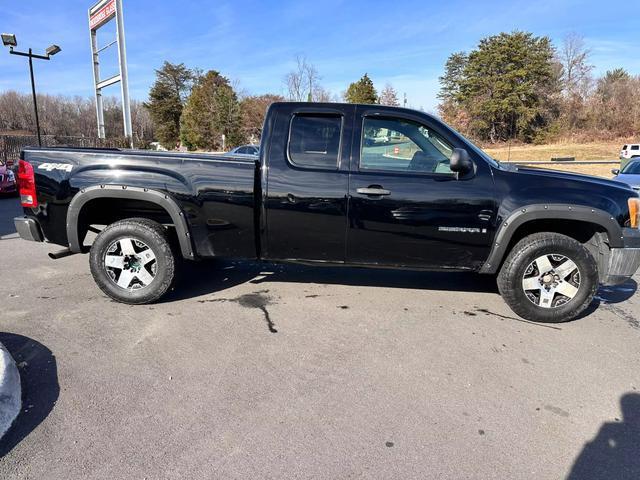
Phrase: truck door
(406, 207)
(307, 181)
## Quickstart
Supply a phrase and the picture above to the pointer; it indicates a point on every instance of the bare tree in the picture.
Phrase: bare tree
(70, 116)
(389, 96)
(576, 70)
(573, 72)
(321, 94)
(303, 81)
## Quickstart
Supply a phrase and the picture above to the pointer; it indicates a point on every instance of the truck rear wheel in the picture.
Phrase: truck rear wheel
(548, 277)
(132, 261)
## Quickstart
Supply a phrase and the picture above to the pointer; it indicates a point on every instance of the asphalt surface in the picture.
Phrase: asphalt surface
(266, 371)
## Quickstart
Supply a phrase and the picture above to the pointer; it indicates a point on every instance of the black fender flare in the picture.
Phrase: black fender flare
(529, 213)
(134, 193)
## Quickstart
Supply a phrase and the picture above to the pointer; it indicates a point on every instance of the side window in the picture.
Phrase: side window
(314, 140)
(635, 147)
(399, 145)
(241, 150)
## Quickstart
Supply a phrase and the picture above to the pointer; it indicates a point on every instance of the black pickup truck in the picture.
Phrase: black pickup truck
(361, 185)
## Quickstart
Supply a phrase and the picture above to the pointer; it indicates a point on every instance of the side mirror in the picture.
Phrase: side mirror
(460, 163)
(615, 171)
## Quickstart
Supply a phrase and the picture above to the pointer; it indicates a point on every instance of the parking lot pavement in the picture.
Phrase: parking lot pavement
(267, 371)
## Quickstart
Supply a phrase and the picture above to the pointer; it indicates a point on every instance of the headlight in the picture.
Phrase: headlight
(634, 212)
(11, 176)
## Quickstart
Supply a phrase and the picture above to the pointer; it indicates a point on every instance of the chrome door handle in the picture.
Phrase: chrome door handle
(373, 191)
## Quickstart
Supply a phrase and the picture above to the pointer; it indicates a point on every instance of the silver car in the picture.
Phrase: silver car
(246, 151)
(630, 174)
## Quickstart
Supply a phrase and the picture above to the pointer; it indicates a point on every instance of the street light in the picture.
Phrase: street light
(52, 50)
(9, 40)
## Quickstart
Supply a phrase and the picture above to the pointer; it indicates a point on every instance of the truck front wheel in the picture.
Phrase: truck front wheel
(548, 277)
(132, 261)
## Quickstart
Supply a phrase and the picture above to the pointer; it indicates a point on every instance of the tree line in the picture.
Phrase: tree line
(71, 116)
(205, 110)
(512, 86)
(516, 86)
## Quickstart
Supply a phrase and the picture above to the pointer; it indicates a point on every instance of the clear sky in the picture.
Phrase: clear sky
(255, 42)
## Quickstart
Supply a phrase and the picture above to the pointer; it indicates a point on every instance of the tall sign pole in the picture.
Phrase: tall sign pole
(124, 75)
(96, 80)
(99, 15)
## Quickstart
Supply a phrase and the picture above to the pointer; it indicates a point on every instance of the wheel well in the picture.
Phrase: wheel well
(593, 236)
(106, 210)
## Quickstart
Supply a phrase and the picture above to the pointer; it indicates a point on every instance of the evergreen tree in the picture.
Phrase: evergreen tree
(453, 75)
(211, 111)
(166, 101)
(507, 87)
(362, 91)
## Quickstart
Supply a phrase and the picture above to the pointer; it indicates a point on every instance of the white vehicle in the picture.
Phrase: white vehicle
(630, 151)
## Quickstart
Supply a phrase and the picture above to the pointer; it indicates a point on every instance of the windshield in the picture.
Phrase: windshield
(632, 168)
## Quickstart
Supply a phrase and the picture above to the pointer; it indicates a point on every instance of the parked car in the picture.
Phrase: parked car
(251, 151)
(319, 194)
(629, 151)
(7, 180)
(630, 174)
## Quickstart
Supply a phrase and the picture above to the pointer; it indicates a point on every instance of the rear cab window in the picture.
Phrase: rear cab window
(314, 140)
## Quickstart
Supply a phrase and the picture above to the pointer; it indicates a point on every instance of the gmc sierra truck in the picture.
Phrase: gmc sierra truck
(360, 185)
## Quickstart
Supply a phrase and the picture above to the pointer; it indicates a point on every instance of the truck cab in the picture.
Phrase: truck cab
(334, 193)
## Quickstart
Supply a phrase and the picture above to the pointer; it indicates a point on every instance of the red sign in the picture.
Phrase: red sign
(101, 16)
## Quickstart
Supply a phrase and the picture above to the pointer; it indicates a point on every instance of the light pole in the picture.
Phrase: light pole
(9, 40)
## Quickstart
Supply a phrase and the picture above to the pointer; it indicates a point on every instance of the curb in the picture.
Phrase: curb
(10, 391)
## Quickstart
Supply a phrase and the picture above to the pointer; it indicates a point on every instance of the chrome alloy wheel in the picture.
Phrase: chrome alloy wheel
(551, 281)
(130, 263)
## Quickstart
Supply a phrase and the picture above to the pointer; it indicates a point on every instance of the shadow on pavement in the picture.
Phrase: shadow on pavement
(40, 389)
(615, 452)
(211, 276)
(618, 293)
(611, 295)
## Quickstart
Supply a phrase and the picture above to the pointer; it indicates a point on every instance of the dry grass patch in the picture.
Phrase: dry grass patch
(580, 151)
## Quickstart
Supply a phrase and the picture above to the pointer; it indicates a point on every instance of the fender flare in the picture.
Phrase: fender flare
(529, 213)
(133, 193)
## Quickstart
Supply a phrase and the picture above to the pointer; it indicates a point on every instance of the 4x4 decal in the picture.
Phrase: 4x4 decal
(65, 167)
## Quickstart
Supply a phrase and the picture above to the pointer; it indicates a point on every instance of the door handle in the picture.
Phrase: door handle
(374, 191)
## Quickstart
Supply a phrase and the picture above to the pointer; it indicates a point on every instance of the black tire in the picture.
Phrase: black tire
(143, 233)
(521, 259)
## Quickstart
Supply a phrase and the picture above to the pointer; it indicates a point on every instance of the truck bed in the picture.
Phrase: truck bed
(215, 192)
